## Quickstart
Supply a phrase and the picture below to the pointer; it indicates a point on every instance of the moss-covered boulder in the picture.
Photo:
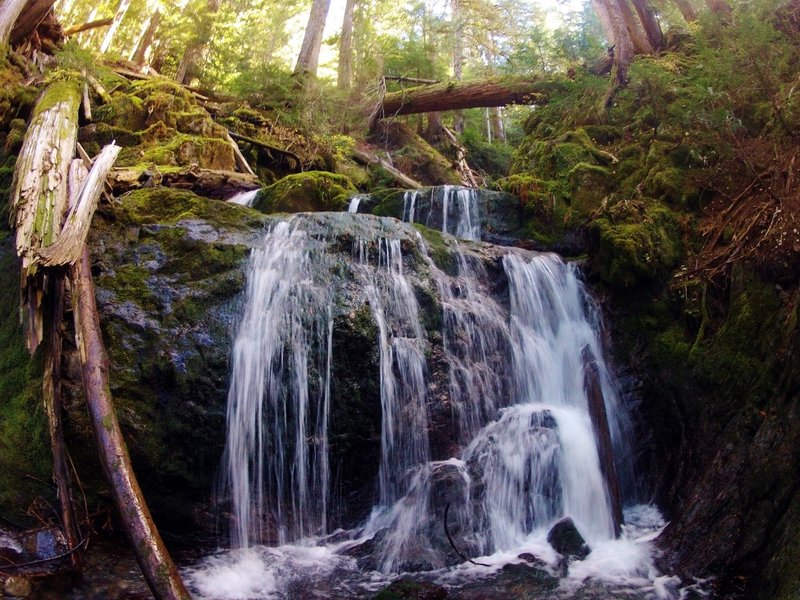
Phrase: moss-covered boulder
(313, 191)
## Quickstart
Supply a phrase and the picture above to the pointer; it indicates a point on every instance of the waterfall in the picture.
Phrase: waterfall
(503, 367)
(279, 397)
(244, 198)
(355, 201)
(450, 209)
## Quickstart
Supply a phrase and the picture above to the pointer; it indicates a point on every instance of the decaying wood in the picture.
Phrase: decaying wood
(36, 11)
(241, 161)
(98, 87)
(39, 191)
(266, 146)
(10, 10)
(203, 182)
(156, 564)
(462, 166)
(411, 79)
(455, 95)
(87, 105)
(605, 448)
(67, 248)
(371, 159)
(88, 26)
(51, 394)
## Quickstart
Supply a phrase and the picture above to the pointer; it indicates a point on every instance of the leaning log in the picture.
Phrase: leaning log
(156, 564)
(87, 26)
(605, 447)
(39, 193)
(455, 95)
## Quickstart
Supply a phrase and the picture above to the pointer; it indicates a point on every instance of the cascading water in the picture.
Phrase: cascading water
(451, 209)
(510, 382)
(244, 198)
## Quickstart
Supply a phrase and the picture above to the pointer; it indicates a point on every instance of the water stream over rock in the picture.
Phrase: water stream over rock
(482, 419)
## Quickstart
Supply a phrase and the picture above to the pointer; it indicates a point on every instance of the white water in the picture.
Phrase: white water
(244, 198)
(355, 201)
(528, 454)
(451, 209)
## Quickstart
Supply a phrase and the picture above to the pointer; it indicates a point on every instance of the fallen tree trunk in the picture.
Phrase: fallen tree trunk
(88, 26)
(35, 12)
(372, 159)
(10, 10)
(156, 564)
(456, 95)
(203, 182)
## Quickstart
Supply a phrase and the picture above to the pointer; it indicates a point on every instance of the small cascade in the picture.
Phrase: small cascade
(244, 198)
(450, 209)
(355, 201)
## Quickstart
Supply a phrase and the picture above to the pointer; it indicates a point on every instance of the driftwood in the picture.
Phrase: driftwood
(372, 159)
(455, 95)
(605, 448)
(87, 26)
(156, 564)
(67, 248)
(266, 146)
(203, 182)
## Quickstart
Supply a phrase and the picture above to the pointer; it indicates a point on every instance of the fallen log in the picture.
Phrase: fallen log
(401, 79)
(455, 95)
(241, 161)
(203, 182)
(372, 159)
(605, 448)
(266, 146)
(151, 554)
(87, 26)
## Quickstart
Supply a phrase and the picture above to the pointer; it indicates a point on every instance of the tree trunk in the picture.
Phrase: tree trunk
(10, 10)
(641, 44)
(601, 9)
(649, 23)
(435, 131)
(498, 129)
(687, 10)
(308, 59)
(605, 448)
(35, 12)
(458, 56)
(122, 9)
(187, 68)
(154, 560)
(623, 46)
(51, 394)
(88, 26)
(147, 39)
(372, 159)
(39, 191)
(470, 94)
(345, 74)
(720, 8)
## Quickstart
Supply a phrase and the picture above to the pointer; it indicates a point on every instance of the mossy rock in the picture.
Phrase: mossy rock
(313, 191)
(389, 203)
(635, 243)
(183, 150)
(125, 111)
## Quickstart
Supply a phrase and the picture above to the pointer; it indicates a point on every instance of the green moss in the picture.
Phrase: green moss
(58, 91)
(312, 191)
(439, 247)
(635, 244)
(129, 283)
(24, 446)
(125, 111)
(390, 203)
(169, 206)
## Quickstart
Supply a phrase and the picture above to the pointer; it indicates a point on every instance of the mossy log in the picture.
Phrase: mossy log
(203, 182)
(455, 95)
(67, 248)
(156, 564)
(39, 191)
(373, 159)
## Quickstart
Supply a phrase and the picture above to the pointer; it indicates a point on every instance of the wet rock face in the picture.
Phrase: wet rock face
(567, 541)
